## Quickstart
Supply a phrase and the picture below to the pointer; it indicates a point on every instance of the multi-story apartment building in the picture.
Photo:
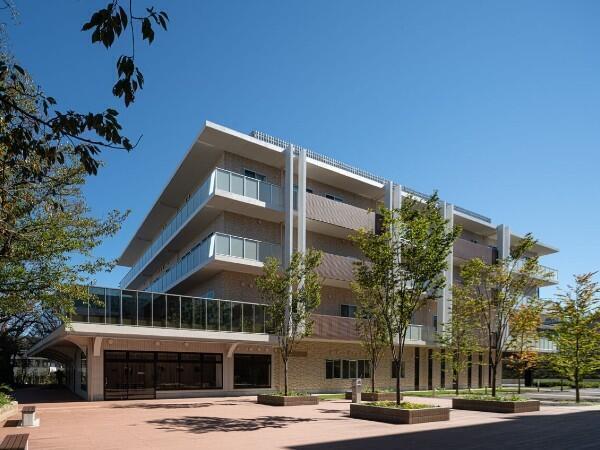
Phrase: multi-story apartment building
(187, 319)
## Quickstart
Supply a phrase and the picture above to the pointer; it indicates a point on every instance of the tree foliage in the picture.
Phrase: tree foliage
(498, 290)
(461, 335)
(403, 265)
(291, 296)
(577, 330)
(370, 326)
(522, 346)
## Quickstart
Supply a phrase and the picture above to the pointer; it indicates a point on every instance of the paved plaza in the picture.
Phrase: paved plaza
(240, 423)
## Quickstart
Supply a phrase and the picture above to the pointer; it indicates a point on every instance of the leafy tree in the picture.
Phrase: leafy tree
(523, 328)
(577, 330)
(291, 296)
(42, 130)
(370, 326)
(403, 266)
(47, 235)
(460, 336)
(498, 290)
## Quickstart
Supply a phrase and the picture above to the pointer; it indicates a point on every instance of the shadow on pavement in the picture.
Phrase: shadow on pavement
(161, 405)
(45, 394)
(200, 424)
(578, 430)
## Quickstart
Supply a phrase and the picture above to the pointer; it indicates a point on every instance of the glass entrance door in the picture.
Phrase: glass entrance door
(128, 375)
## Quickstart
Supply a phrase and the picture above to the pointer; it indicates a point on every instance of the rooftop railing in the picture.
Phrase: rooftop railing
(159, 310)
(354, 170)
(220, 179)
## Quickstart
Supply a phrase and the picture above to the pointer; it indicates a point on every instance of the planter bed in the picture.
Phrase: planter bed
(496, 406)
(289, 400)
(375, 396)
(399, 416)
(7, 411)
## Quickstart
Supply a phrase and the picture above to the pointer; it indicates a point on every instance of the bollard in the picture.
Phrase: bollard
(356, 390)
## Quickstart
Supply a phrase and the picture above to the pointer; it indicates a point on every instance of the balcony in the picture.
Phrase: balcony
(467, 250)
(159, 310)
(545, 345)
(338, 328)
(221, 189)
(223, 248)
(336, 270)
(336, 218)
(548, 275)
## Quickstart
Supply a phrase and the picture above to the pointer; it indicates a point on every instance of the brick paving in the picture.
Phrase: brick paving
(240, 423)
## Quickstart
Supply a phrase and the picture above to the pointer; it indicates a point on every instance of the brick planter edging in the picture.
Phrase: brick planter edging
(7, 411)
(399, 416)
(496, 406)
(375, 396)
(290, 400)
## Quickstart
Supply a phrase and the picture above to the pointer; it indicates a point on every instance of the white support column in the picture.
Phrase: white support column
(389, 195)
(444, 305)
(503, 241)
(397, 196)
(288, 189)
(302, 201)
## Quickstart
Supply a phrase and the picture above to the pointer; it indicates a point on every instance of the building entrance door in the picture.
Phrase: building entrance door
(128, 375)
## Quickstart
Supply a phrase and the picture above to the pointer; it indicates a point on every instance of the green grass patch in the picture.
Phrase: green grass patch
(332, 396)
(497, 398)
(402, 405)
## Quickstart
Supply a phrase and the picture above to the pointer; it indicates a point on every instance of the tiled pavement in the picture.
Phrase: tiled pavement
(239, 423)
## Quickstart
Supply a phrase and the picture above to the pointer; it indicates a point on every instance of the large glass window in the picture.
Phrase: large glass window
(346, 369)
(81, 311)
(167, 371)
(251, 371)
(158, 310)
(129, 299)
(348, 310)
(113, 303)
(97, 305)
(145, 309)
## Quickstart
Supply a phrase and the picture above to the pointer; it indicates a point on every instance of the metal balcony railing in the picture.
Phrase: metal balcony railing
(215, 244)
(220, 179)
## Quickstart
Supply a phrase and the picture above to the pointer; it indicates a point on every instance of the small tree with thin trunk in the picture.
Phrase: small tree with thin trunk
(403, 265)
(523, 327)
(291, 296)
(370, 327)
(577, 331)
(461, 335)
(498, 290)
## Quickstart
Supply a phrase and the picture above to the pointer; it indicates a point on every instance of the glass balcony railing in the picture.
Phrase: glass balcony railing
(151, 309)
(220, 179)
(215, 244)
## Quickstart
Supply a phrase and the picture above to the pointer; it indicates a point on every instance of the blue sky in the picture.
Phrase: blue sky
(495, 104)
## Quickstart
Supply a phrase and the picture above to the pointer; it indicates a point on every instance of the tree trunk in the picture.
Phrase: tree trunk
(577, 397)
(494, 367)
(373, 376)
(399, 368)
(285, 377)
(456, 380)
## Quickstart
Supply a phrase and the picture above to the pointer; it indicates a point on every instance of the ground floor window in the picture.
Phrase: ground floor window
(347, 368)
(251, 371)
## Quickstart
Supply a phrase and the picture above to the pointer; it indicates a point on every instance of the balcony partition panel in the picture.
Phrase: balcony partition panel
(199, 313)
(259, 319)
(144, 309)
(236, 316)
(129, 307)
(212, 314)
(159, 309)
(173, 311)
(225, 313)
(97, 305)
(113, 306)
(248, 318)
(187, 312)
